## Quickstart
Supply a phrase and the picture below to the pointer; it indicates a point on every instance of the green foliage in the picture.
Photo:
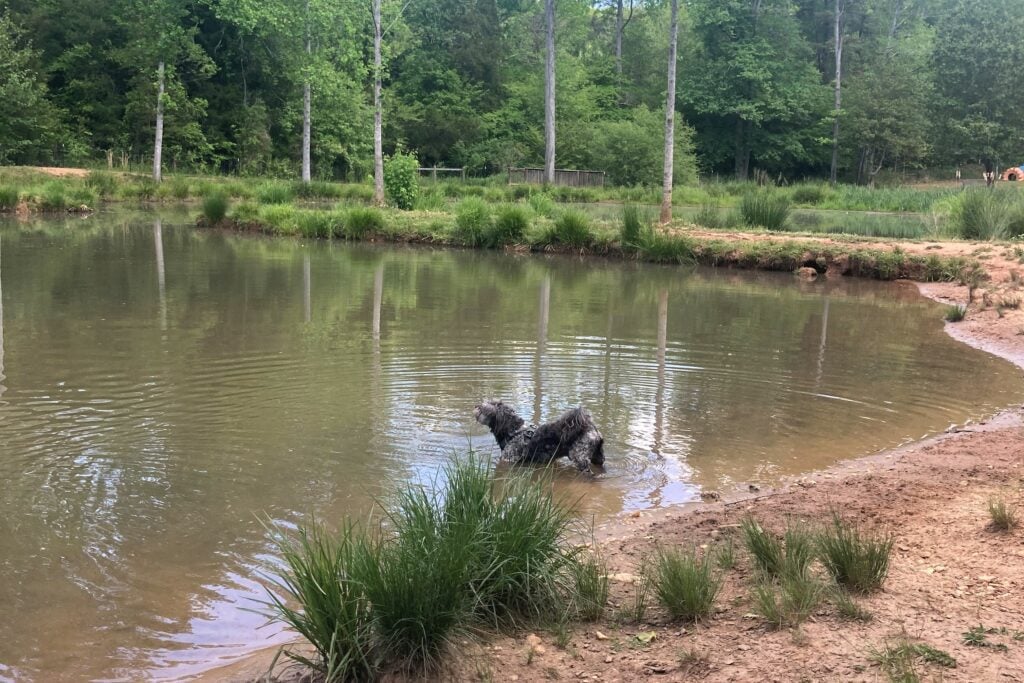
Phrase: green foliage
(590, 595)
(789, 601)
(571, 228)
(215, 207)
(685, 583)
(765, 209)
(956, 313)
(811, 195)
(856, 560)
(1004, 515)
(401, 180)
(472, 221)
(103, 182)
(765, 549)
(275, 193)
(52, 197)
(363, 221)
(8, 198)
(631, 153)
(635, 227)
(983, 214)
(509, 227)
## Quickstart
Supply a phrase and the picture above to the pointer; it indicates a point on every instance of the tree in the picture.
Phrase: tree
(839, 12)
(670, 117)
(29, 123)
(378, 108)
(549, 93)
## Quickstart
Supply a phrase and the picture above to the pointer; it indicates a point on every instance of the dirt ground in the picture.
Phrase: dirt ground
(949, 572)
(60, 172)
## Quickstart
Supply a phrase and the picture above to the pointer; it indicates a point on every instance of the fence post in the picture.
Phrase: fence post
(434, 174)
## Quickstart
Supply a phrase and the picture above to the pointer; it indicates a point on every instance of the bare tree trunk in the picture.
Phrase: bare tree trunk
(840, 8)
(158, 143)
(670, 119)
(549, 95)
(307, 105)
(378, 115)
(618, 37)
(2, 375)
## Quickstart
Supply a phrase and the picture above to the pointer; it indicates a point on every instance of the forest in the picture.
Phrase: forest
(860, 90)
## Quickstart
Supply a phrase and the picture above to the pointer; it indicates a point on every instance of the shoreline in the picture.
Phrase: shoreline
(982, 457)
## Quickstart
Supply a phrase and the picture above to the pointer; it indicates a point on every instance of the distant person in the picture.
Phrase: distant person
(990, 172)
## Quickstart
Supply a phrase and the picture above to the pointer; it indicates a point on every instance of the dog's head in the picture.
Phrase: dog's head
(501, 419)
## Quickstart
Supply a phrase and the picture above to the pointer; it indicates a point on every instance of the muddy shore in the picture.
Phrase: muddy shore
(949, 572)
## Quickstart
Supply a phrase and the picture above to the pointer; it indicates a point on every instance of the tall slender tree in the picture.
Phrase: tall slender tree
(378, 107)
(670, 117)
(549, 93)
(307, 107)
(158, 142)
(837, 38)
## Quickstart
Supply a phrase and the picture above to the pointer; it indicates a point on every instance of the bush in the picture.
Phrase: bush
(178, 188)
(401, 180)
(662, 248)
(319, 224)
(333, 610)
(709, 217)
(766, 209)
(685, 583)
(316, 189)
(275, 193)
(857, 561)
(472, 221)
(215, 207)
(361, 221)
(8, 198)
(508, 227)
(631, 155)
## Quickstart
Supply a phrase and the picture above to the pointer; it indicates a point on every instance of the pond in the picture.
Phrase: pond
(165, 390)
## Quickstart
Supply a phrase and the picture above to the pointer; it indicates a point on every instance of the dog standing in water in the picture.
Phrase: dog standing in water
(572, 435)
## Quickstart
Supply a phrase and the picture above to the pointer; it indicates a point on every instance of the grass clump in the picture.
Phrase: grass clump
(857, 561)
(591, 587)
(333, 611)
(684, 583)
(8, 198)
(766, 209)
(275, 193)
(899, 662)
(955, 313)
(472, 221)
(508, 227)
(542, 204)
(52, 198)
(571, 228)
(847, 607)
(103, 182)
(660, 247)
(765, 549)
(215, 207)
(635, 226)
(1003, 515)
(362, 221)
(789, 601)
(810, 195)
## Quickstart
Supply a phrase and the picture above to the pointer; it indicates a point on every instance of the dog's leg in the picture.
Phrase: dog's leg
(588, 448)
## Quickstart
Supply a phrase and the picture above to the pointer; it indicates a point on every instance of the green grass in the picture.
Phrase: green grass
(725, 554)
(362, 221)
(52, 197)
(634, 227)
(215, 207)
(685, 583)
(275, 193)
(571, 228)
(765, 549)
(590, 596)
(8, 198)
(765, 209)
(847, 607)
(955, 313)
(472, 221)
(508, 227)
(899, 661)
(856, 560)
(1002, 514)
(789, 601)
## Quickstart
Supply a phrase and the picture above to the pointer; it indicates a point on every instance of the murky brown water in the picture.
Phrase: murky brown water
(161, 389)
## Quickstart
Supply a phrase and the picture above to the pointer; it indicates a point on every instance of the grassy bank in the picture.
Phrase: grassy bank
(475, 223)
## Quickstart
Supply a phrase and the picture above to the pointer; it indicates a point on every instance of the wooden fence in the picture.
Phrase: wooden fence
(567, 177)
(432, 172)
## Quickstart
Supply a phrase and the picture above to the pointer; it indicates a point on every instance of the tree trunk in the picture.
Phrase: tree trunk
(158, 143)
(378, 134)
(549, 95)
(670, 119)
(307, 105)
(840, 8)
(742, 150)
(618, 36)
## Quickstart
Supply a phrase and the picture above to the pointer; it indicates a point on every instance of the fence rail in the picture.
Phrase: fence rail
(432, 171)
(563, 176)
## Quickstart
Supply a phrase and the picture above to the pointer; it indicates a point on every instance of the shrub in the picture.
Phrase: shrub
(333, 610)
(1004, 516)
(766, 209)
(401, 180)
(8, 198)
(472, 221)
(509, 226)
(858, 561)
(685, 583)
(572, 228)
(215, 207)
(275, 193)
(361, 221)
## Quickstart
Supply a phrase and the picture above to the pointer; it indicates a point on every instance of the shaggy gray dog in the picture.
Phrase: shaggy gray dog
(573, 435)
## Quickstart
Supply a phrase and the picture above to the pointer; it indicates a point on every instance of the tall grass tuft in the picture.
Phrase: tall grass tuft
(509, 227)
(765, 549)
(634, 227)
(275, 193)
(572, 228)
(685, 583)
(709, 217)
(333, 610)
(955, 313)
(472, 221)
(663, 248)
(103, 182)
(1004, 515)
(981, 215)
(52, 198)
(591, 587)
(362, 221)
(856, 560)
(8, 198)
(215, 207)
(790, 601)
(767, 209)
(542, 204)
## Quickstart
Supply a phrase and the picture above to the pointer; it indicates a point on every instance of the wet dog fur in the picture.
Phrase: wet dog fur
(572, 435)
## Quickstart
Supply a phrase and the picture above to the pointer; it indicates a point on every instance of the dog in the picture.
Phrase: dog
(573, 435)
